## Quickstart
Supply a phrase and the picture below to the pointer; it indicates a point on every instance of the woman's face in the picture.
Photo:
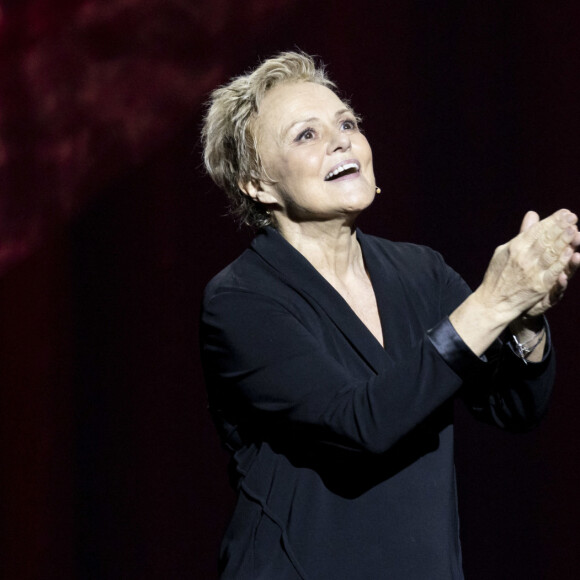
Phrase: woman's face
(311, 147)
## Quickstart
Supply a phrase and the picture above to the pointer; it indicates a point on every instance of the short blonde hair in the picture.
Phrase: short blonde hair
(229, 143)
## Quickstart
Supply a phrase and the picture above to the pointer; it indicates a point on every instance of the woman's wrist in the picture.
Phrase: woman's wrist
(477, 323)
(525, 327)
(529, 337)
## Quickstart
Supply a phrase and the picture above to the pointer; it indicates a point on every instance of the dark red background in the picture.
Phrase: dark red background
(109, 231)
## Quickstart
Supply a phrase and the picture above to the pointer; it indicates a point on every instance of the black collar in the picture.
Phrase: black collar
(298, 273)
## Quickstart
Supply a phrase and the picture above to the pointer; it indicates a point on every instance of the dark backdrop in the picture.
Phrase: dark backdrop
(109, 231)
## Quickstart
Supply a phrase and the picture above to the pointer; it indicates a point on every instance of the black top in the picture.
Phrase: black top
(342, 450)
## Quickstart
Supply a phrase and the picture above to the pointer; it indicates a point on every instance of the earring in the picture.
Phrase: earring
(377, 190)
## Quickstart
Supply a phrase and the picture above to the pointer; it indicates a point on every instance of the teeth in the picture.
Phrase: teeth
(340, 169)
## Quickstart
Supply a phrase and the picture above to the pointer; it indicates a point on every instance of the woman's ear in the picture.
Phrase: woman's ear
(257, 192)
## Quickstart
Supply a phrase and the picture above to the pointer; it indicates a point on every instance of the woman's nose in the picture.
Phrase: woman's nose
(339, 141)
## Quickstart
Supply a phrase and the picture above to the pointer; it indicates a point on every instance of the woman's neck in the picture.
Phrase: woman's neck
(332, 249)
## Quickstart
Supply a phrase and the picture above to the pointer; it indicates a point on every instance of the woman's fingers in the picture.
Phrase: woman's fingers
(542, 233)
(551, 298)
(573, 265)
(550, 238)
(529, 220)
(557, 248)
(561, 224)
(557, 292)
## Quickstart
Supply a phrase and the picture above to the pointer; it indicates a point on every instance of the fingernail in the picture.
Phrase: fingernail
(571, 218)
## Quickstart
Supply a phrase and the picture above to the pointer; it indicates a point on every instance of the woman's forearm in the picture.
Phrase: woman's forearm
(478, 324)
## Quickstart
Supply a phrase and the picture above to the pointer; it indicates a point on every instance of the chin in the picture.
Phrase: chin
(358, 202)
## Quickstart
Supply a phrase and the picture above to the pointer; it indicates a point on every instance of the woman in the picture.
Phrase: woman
(332, 357)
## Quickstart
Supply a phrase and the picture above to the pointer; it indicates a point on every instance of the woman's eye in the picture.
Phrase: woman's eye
(349, 125)
(306, 135)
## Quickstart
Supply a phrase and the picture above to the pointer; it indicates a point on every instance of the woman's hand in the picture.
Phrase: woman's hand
(529, 274)
(526, 328)
(525, 277)
(556, 292)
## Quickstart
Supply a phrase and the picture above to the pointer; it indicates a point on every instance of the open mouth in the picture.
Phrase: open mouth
(342, 170)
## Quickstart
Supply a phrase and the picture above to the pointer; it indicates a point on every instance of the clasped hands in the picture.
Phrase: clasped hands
(530, 273)
(526, 277)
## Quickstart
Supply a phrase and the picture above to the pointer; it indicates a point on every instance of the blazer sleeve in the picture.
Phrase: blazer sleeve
(506, 392)
(516, 395)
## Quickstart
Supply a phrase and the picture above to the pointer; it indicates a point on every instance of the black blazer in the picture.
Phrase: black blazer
(342, 450)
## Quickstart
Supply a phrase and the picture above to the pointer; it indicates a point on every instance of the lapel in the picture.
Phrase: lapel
(392, 297)
(298, 273)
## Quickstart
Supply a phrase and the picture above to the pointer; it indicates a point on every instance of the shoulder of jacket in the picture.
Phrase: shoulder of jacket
(247, 274)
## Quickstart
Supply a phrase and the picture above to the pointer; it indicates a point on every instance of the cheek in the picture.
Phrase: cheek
(291, 169)
(306, 164)
(366, 155)
(365, 147)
